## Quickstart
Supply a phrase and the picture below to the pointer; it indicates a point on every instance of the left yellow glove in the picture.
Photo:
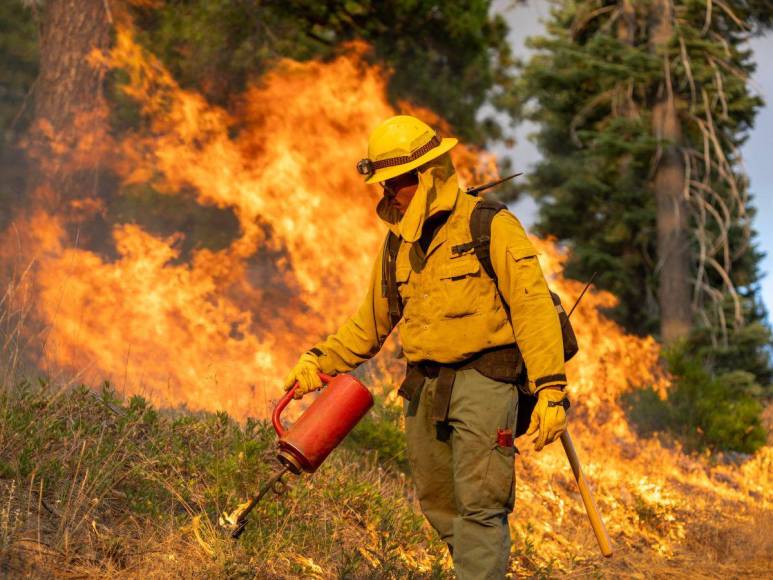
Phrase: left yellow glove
(549, 417)
(306, 374)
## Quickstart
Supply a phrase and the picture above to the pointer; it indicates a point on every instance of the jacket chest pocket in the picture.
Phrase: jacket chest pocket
(460, 287)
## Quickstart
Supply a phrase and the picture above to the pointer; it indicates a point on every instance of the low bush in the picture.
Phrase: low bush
(379, 431)
(721, 412)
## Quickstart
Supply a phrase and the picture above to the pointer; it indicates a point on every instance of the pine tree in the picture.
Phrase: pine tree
(68, 101)
(642, 107)
(626, 92)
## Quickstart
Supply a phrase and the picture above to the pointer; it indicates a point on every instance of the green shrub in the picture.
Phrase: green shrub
(380, 431)
(718, 412)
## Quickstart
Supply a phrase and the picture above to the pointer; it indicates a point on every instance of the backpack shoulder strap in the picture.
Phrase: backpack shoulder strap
(480, 228)
(389, 277)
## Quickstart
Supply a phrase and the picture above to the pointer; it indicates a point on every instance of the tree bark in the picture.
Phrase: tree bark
(674, 292)
(69, 131)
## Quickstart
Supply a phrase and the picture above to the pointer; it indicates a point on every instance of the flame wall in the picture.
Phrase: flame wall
(220, 331)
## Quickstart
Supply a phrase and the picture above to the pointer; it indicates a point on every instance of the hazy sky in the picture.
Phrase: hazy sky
(758, 152)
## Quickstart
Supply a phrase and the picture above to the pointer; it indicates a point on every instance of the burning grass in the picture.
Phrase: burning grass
(92, 484)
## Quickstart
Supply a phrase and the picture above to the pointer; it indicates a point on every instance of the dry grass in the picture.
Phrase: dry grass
(93, 485)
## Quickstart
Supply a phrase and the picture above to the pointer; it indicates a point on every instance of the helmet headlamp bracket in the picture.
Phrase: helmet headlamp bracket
(365, 167)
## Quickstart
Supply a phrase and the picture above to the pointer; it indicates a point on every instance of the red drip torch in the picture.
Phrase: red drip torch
(308, 442)
(326, 422)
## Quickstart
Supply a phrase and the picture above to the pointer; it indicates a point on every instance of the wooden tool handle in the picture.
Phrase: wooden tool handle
(587, 496)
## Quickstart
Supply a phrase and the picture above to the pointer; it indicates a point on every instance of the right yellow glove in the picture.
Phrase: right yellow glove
(548, 416)
(306, 374)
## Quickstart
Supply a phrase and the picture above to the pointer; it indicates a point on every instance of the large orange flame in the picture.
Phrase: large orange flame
(221, 331)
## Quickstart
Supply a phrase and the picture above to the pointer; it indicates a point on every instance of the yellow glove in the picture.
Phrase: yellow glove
(306, 374)
(549, 416)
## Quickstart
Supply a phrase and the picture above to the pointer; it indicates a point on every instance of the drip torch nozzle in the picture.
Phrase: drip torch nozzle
(237, 520)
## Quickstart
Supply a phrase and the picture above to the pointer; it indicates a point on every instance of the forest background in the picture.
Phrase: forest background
(525, 20)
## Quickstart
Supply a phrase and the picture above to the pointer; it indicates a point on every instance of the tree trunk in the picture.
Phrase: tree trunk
(69, 129)
(673, 245)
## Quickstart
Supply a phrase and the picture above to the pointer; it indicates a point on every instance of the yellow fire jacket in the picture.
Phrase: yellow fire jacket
(451, 307)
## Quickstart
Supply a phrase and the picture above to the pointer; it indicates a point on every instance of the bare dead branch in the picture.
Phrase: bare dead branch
(581, 22)
(687, 69)
(726, 9)
(720, 88)
(707, 21)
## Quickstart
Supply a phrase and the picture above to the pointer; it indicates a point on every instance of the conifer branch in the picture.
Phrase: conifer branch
(580, 117)
(722, 41)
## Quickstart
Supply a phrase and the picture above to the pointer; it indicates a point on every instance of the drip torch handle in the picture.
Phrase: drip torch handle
(276, 417)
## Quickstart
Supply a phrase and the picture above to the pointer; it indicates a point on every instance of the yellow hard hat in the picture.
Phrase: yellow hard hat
(399, 144)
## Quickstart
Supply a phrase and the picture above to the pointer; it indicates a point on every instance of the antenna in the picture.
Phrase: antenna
(476, 190)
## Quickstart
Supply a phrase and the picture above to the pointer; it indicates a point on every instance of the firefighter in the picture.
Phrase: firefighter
(461, 332)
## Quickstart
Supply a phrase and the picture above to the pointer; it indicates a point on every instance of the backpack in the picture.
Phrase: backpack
(480, 227)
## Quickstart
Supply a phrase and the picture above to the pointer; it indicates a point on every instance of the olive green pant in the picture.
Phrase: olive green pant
(465, 481)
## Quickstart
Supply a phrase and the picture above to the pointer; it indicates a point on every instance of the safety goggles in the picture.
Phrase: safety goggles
(392, 186)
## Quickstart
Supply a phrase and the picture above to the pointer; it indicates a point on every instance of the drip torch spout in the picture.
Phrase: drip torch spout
(238, 520)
